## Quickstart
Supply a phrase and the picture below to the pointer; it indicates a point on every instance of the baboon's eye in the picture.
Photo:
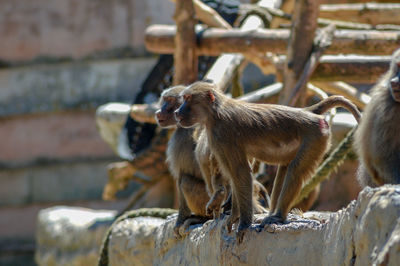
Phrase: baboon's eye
(169, 99)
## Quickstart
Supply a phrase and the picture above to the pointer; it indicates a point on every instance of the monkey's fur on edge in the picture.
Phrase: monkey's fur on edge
(293, 138)
(192, 193)
(377, 139)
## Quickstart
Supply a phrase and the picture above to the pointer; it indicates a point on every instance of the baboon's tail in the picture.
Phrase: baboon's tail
(335, 101)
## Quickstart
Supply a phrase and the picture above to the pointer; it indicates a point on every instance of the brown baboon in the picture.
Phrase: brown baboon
(376, 139)
(191, 188)
(192, 193)
(218, 185)
(293, 138)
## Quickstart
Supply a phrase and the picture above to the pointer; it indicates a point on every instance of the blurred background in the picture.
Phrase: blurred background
(59, 61)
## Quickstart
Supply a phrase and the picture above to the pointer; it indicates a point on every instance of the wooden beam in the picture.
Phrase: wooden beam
(348, 68)
(215, 41)
(185, 54)
(339, 87)
(371, 13)
(267, 94)
(223, 69)
(340, 24)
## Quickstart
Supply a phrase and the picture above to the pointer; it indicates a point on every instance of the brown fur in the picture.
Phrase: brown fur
(377, 139)
(267, 179)
(217, 184)
(293, 138)
(192, 194)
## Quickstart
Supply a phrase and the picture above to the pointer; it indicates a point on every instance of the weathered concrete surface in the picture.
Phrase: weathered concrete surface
(20, 222)
(73, 235)
(58, 182)
(75, 28)
(64, 135)
(70, 236)
(366, 232)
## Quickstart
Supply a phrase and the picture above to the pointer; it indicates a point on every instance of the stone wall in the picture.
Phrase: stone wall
(76, 28)
(366, 232)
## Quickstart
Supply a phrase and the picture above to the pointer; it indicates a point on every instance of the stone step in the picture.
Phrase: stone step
(74, 29)
(54, 87)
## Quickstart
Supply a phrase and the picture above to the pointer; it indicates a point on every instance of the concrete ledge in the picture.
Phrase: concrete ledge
(70, 236)
(366, 232)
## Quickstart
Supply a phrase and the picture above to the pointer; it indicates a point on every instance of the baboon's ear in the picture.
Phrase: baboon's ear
(211, 96)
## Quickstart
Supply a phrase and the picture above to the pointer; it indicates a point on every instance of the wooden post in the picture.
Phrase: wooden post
(321, 42)
(185, 56)
(300, 46)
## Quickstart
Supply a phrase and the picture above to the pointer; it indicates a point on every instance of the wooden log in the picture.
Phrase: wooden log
(299, 48)
(185, 54)
(339, 87)
(223, 69)
(213, 41)
(371, 13)
(144, 113)
(340, 24)
(348, 68)
(267, 94)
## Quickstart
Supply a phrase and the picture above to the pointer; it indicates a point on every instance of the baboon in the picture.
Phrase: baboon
(293, 138)
(376, 140)
(192, 185)
(218, 185)
(192, 193)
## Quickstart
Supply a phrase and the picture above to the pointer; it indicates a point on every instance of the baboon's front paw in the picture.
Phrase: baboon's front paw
(209, 209)
(213, 208)
(177, 229)
(273, 219)
(184, 231)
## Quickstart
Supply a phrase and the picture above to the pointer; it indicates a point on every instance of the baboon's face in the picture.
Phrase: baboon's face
(187, 114)
(165, 115)
(197, 104)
